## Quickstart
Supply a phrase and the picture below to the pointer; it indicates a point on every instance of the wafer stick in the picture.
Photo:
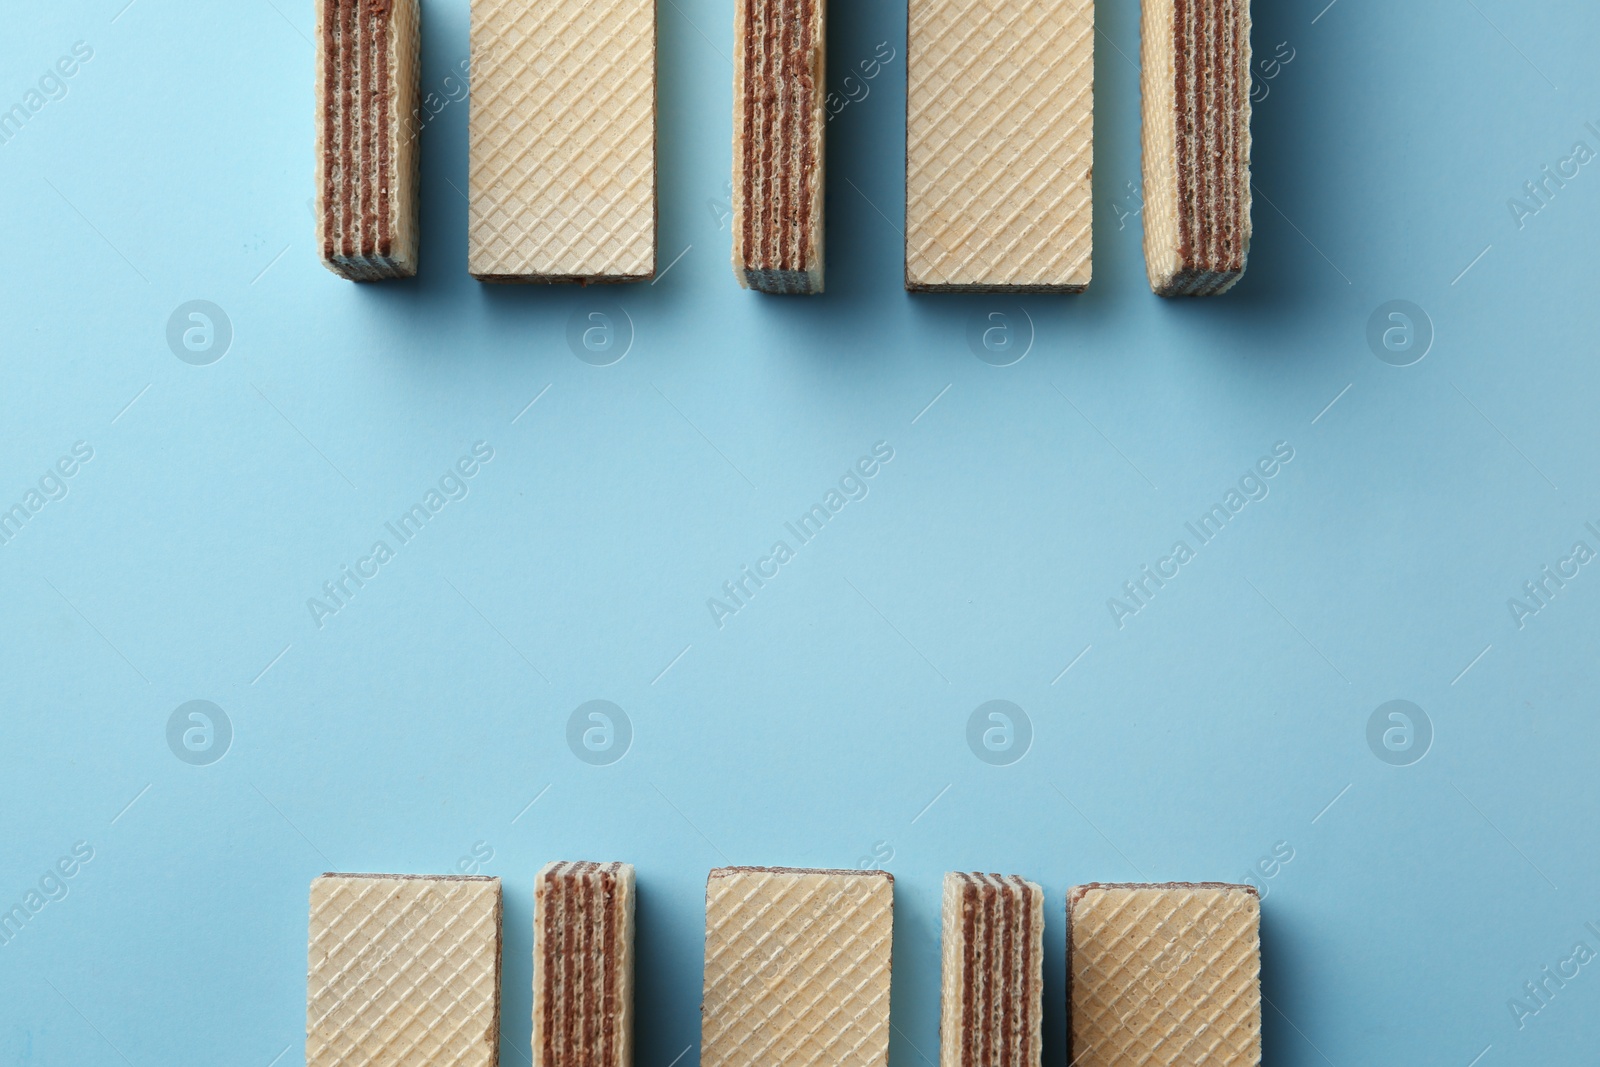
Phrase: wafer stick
(1164, 975)
(583, 965)
(797, 968)
(403, 971)
(992, 1003)
(999, 150)
(1195, 59)
(368, 66)
(778, 121)
(562, 141)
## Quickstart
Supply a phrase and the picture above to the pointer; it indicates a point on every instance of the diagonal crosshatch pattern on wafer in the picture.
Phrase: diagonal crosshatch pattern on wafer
(797, 968)
(562, 172)
(583, 927)
(403, 971)
(367, 76)
(999, 149)
(1195, 143)
(1164, 975)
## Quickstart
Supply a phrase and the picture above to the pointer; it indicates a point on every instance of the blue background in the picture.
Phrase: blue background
(825, 723)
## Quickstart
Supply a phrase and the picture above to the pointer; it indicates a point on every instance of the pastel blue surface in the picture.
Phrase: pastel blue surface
(825, 722)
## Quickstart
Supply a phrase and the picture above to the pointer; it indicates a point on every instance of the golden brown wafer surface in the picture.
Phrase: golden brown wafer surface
(562, 141)
(403, 971)
(1164, 975)
(999, 150)
(797, 968)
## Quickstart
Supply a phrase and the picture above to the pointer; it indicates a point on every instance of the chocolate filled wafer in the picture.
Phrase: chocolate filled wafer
(991, 1008)
(1195, 82)
(1164, 975)
(367, 70)
(797, 967)
(999, 145)
(583, 965)
(403, 971)
(561, 179)
(778, 122)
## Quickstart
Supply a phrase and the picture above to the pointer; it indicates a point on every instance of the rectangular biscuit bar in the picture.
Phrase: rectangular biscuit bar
(368, 70)
(779, 73)
(797, 967)
(992, 1004)
(403, 971)
(1164, 975)
(999, 149)
(583, 965)
(562, 141)
(1195, 140)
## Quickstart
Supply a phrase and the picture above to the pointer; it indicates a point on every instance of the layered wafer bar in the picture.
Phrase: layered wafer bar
(403, 971)
(367, 70)
(999, 149)
(992, 1003)
(583, 965)
(1163, 975)
(1195, 82)
(778, 122)
(797, 967)
(562, 141)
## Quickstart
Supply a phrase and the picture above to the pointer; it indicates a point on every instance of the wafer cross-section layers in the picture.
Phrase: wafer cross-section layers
(1195, 58)
(1164, 975)
(583, 965)
(779, 72)
(562, 141)
(403, 971)
(797, 968)
(367, 77)
(992, 1004)
(999, 149)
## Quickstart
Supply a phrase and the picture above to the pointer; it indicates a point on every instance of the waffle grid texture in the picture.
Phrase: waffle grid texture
(403, 971)
(367, 77)
(1164, 975)
(999, 145)
(583, 916)
(1195, 138)
(562, 141)
(779, 72)
(991, 1007)
(797, 968)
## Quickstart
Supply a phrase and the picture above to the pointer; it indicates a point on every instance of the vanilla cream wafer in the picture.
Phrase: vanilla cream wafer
(562, 141)
(999, 145)
(1164, 975)
(797, 967)
(403, 971)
